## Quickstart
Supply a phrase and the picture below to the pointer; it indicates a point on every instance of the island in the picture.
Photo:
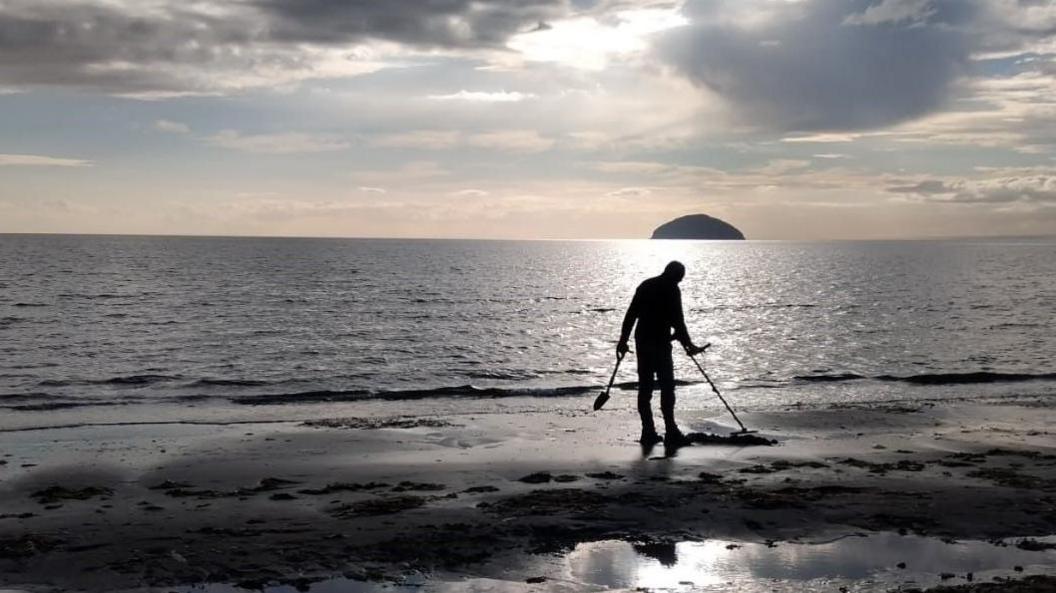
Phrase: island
(698, 226)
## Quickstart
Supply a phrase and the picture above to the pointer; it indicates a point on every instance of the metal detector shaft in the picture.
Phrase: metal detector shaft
(716, 390)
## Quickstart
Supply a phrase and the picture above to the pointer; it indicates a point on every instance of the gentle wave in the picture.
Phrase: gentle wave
(10, 397)
(326, 395)
(756, 306)
(119, 380)
(39, 401)
(48, 401)
(229, 383)
(978, 377)
(135, 380)
(49, 406)
(829, 378)
(521, 375)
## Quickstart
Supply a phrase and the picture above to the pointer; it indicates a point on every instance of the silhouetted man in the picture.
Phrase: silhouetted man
(657, 307)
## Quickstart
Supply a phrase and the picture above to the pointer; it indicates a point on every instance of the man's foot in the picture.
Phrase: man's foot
(650, 438)
(675, 438)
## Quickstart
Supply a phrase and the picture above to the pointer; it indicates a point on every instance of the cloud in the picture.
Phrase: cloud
(654, 171)
(33, 160)
(166, 48)
(484, 97)
(287, 143)
(372, 190)
(1032, 188)
(798, 66)
(823, 138)
(511, 140)
(928, 187)
(450, 23)
(420, 139)
(406, 175)
(1014, 112)
(782, 166)
(171, 127)
(893, 12)
(635, 167)
(470, 193)
(107, 45)
(527, 141)
(631, 192)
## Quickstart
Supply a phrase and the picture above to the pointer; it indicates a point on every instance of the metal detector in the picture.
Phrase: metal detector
(692, 355)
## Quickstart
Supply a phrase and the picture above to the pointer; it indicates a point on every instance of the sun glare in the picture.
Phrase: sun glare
(590, 44)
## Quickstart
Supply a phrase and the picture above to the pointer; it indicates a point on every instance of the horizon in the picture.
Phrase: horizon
(540, 239)
(560, 119)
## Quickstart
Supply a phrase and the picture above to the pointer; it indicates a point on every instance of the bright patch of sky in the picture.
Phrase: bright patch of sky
(591, 43)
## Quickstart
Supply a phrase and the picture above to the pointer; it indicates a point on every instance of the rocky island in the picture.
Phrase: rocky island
(698, 226)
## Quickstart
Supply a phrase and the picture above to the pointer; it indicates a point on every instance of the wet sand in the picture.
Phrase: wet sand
(394, 500)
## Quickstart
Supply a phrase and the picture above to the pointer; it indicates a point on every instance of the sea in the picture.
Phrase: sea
(110, 327)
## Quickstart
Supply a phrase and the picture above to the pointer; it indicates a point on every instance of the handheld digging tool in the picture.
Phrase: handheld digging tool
(604, 397)
(692, 355)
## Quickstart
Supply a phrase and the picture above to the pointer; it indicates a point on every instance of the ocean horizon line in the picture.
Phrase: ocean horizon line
(536, 239)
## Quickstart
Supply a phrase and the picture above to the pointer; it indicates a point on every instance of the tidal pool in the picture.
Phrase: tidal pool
(860, 563)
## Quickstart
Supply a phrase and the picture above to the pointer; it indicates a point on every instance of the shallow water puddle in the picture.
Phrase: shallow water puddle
(876, 562)
(341, 585)
(861, 564)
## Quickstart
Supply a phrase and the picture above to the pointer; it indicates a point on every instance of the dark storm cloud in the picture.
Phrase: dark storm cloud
(177, 47)
(443, 23)
(104, 47)
(827, 64)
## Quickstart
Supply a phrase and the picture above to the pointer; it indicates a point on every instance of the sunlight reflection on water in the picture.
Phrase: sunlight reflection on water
(862, 564)
(883, 560)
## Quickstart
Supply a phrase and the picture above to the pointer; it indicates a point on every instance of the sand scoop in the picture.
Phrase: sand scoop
(604, 397)
(692, 355)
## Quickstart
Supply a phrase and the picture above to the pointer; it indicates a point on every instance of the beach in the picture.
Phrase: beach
(506, 500)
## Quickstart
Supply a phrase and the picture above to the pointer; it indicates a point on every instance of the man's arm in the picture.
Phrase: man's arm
(679, 322)
(628, 324)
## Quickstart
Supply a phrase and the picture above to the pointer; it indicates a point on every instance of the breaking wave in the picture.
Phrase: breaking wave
(973, 378)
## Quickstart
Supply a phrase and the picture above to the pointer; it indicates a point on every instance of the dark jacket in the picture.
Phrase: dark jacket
(657, 307)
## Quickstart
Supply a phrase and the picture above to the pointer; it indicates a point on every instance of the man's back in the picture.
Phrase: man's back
(657, 305)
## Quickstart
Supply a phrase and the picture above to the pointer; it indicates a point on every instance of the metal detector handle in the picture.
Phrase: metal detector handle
(698, 350)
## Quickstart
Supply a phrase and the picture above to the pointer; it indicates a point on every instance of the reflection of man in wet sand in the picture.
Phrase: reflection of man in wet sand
(657, 308)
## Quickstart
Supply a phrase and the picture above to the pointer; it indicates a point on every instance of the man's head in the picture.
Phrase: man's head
(674, 272)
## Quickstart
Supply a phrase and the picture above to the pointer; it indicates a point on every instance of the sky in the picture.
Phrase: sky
(548, 119)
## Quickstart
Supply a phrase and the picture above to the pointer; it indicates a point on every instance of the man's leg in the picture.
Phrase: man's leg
(665, 376)
(645, 391)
